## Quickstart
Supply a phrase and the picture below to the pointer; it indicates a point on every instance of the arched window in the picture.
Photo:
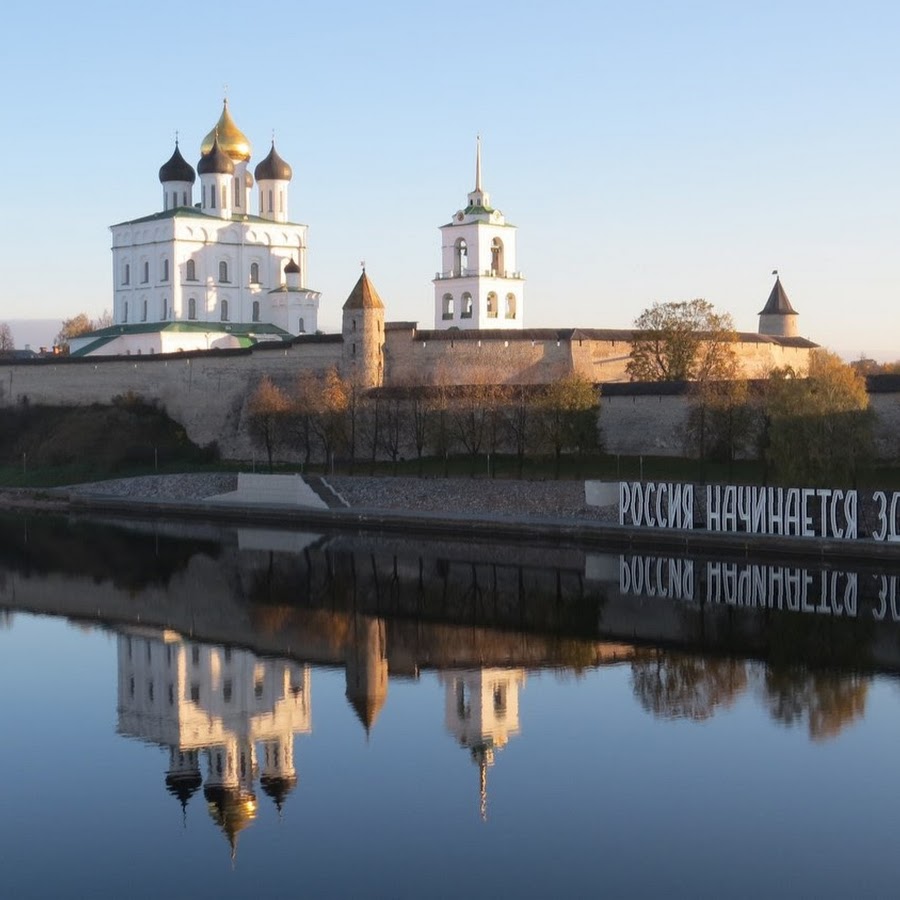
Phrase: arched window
(165, 271)
(126, 275)
(192, 308)
(212, 196)
(462, 257)
(223, 272)
(254, 273)
(125, 312)
(510, 306)
(256, 310)
(492, 305)
(237, 192)
(301, 327)
(190, 270)
(165, 310)
(353, 324)
(281, 201)
(144, 312)
(466, 306)
(224, 310)
(146, 277)
(270, 200)
(447, 307)
(184, 198)
(497, 266)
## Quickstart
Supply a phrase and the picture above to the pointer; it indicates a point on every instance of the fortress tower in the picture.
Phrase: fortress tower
(778, 318)
(478, 285)
(363, 333)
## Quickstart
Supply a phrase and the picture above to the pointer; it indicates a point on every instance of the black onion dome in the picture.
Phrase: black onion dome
(273, 168)
(216, 162)
(177, 169)
(291, 268)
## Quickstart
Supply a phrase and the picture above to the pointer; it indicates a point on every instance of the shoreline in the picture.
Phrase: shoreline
(516, 511)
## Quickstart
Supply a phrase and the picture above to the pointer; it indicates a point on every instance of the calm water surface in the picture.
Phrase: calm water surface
(195, 712)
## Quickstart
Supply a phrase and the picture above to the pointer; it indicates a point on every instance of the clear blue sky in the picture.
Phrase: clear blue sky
(647, 151)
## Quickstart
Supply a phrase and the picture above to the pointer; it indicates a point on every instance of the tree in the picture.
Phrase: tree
(818, 429)
(268, 408)
(722, 422)
(567, 416)
(72, 328)
(7, 344)
(682, 341)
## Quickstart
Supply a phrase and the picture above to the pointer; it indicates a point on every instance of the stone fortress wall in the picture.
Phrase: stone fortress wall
(207, 392)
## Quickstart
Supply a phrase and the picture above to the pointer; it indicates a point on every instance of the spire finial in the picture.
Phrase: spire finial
(176, 137)
(362, 265)
(775, 272)
(225, 94)
(478, 162)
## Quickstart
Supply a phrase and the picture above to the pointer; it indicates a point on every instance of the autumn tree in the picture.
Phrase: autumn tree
(7, 344)
(723, 422)
(72, 328)
(682, 341)
(818, 429)
(679, 685)
(268, 408)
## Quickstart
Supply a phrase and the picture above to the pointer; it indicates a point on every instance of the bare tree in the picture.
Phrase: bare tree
(268, 408)
(7, 344)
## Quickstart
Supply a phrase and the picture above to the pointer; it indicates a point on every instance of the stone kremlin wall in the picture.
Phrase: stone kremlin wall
(207, 391)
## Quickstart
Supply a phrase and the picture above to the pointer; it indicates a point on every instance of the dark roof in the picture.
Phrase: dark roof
(883, 384)
(194, 212)
(364, 295)
(177, 168)
(217, 162)
(778, 303)
(273, 168)
(291, 268)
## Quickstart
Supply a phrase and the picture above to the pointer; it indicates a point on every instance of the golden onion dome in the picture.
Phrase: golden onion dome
(232, 140)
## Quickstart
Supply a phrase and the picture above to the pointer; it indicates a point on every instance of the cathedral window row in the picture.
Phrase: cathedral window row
(171, 201)
(190, 272)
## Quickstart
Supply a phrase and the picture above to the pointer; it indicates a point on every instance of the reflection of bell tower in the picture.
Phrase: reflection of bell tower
(481, 709)
(183, 778)
(367, 669)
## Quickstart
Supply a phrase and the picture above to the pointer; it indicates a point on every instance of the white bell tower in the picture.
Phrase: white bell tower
(479, 285)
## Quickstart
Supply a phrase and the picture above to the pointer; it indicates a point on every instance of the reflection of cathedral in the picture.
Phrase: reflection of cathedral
(481, 709)
(240, 711)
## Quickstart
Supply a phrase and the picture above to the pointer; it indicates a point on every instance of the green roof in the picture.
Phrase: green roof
(191, 212)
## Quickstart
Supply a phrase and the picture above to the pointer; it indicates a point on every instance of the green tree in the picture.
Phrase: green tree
(567, 416)
(682, 341)
(268, 408)
(818, 430)
(722, 421)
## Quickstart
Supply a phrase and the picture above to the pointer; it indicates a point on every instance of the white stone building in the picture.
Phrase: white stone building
(479, 285)
(210, 274)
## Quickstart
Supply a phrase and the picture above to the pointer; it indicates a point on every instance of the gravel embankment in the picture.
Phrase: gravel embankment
(510, 498)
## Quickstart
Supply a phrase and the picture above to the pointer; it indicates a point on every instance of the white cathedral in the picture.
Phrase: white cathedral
(212, 274)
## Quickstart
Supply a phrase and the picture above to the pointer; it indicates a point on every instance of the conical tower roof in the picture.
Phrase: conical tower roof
(231, 139)
(778, 303)
(364, 295)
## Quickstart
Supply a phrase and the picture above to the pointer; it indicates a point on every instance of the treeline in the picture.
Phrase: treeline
(814, 428)
(327, 419)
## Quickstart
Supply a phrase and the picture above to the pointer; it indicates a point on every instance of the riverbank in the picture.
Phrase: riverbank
(534, 511)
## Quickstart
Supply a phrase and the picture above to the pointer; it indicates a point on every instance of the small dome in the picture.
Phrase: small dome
(215, 162)
(273, 168)
(292, 268)
(231, 139)
(177, 169)
(248, 179)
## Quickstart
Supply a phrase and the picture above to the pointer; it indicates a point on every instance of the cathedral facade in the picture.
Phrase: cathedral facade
(222, 267)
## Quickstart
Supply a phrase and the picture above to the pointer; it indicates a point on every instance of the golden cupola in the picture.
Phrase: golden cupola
(231, 139)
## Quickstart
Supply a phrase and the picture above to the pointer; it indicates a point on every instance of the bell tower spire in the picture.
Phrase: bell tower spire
(479, 199)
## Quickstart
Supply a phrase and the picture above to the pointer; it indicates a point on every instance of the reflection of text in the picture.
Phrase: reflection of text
(788, 588)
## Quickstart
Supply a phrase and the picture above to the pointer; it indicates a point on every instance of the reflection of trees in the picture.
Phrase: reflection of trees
(827, 701)
(678, 685)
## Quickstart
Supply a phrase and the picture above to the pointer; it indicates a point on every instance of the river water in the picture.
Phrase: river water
(193, 711)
